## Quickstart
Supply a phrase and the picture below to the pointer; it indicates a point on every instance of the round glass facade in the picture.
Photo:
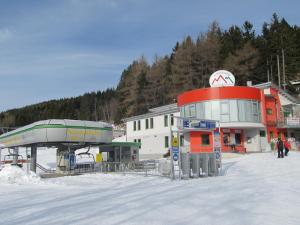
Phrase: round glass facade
(231, 110)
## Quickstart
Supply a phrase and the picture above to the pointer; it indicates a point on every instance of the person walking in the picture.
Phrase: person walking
(280, 147)
(287, 147)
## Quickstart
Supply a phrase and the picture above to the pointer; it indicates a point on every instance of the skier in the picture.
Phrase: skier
(280, 147)
(287, 147)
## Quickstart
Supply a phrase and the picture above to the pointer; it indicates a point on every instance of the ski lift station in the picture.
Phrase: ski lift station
(66, 136)
(250, 119)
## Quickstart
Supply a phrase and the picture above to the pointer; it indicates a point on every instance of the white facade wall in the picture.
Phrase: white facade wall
(152, 139)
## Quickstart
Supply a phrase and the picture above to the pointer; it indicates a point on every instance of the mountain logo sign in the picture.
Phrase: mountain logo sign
(221, 78)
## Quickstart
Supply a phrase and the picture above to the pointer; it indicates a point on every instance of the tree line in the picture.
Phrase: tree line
(248, 55)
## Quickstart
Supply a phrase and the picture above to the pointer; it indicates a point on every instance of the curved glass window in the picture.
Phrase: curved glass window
(232, 110)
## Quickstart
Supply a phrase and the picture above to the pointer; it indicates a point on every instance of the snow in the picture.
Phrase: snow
(253, 189)
(15, 175)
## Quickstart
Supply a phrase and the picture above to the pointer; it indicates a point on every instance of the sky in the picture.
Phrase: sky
(52, 49)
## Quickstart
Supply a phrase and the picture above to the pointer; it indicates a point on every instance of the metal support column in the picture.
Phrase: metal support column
(33, 158)
(15, 155)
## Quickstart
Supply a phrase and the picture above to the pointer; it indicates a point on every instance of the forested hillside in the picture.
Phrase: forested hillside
(248, 55)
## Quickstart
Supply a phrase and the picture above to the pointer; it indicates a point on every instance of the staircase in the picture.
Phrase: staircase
(45, 169)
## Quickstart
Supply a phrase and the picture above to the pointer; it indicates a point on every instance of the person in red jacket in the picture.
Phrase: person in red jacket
(287, 147)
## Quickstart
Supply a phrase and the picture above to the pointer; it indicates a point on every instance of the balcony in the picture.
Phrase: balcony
(289, 122)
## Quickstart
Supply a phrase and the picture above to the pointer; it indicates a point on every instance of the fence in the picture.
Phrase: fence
(148, 167)
(191, 166)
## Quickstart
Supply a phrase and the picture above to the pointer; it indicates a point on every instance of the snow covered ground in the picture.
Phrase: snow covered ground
(254, 189)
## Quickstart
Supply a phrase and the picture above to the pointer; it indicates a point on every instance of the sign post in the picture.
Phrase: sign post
(175, 157)
(217, 148)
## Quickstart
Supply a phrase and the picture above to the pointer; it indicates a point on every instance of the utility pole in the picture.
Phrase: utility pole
(95, 108)
(271, 68)
(268, 72)
(278, 70)
(283, 69)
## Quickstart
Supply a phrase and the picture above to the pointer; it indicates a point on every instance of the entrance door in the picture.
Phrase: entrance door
(251, 140)
(263, 140)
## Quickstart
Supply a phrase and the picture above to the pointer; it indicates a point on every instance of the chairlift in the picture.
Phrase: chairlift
(85, 155)
(9, 158)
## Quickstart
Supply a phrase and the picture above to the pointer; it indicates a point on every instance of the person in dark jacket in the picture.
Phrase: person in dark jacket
(280, 147)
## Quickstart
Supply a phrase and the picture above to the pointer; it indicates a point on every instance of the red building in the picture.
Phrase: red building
(249, 117)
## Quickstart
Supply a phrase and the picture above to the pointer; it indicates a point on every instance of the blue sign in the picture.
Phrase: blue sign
(186, 123)
(175, 150)
(218, 153)
(175, 157)
(202, 124)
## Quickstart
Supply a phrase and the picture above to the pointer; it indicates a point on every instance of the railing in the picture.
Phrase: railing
(149, 167)
(286, 122)
(191, 165)
(45, 169)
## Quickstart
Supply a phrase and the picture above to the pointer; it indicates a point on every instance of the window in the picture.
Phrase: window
(269, 111)
(241, 109)
(192, 109)
(139, 125)
(134, 140)
(200, 110)
(147, 123)
(226, 138)
(151, 123)
(181, 141)
(182, 112)
(172, 120)
(187, 111)
(166, 141)
(139, 141)
(262, 133)
(205, 139)
(215, 110)
(166, 120)
(224, 111)
(224, 108)
(238, 139)
(134, 125)
(207, 110)
(233, 108)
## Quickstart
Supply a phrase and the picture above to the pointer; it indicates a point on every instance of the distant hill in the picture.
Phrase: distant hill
(247, 55)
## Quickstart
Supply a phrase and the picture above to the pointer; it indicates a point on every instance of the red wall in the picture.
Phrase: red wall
(203, 94)
(196, 142)
(228, 148)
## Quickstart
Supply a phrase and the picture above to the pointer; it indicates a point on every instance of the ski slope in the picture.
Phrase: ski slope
(254, 189)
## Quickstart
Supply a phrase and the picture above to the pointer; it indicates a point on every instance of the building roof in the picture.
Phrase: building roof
(123, 144)
(166, 109)
(281, 91)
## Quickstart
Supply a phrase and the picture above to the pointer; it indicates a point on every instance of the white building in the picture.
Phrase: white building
(153, 130)
(272, 113)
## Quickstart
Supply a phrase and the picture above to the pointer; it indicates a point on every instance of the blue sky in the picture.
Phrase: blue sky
(61, 48)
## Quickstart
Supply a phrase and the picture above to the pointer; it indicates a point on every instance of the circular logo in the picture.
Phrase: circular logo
(175, 157)
(218, 155)
(221, 78)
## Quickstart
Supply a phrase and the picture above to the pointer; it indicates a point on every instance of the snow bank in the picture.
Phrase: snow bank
(15, 175)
